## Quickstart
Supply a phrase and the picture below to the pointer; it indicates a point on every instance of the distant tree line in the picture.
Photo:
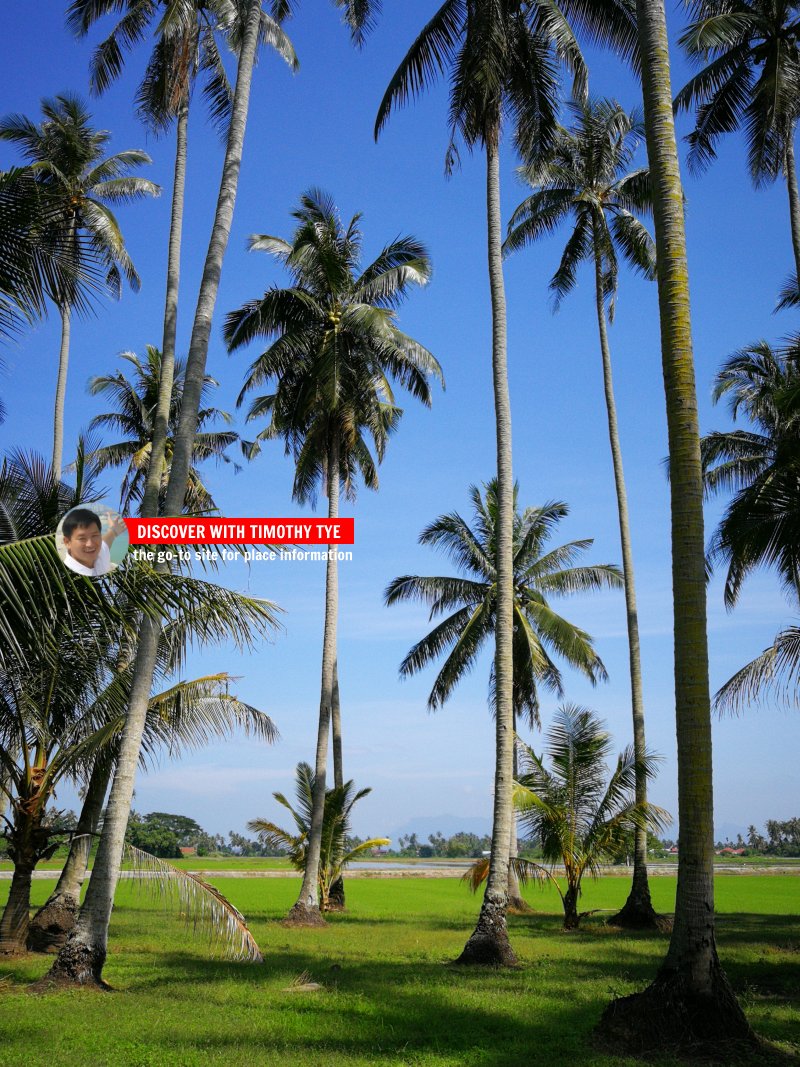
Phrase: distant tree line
(783, 838)
(164, 835)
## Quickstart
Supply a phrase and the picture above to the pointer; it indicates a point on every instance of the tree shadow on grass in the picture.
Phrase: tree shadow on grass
(392, 1012)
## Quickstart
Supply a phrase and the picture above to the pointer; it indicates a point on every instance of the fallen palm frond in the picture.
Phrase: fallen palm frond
(204, 907)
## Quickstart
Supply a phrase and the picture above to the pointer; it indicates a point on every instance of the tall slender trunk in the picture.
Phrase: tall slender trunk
(515, 898)
(306, 910)
(82, 958)
(52, 923)
(336, 896)
(690, 1001)
(158, 444)
(794, 202)
(638, 909)
(336, 730)
(488, 943)
(61, 389)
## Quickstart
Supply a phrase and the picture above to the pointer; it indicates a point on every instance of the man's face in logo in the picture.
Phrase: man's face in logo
(84, 544)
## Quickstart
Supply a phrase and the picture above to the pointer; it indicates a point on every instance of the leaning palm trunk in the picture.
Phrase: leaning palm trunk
(638, 910)
(306, 909)
(52, 923)
(488, 943)
(794, 201)
(336, 898)
(690, 1002)
(82, 958)
(161, 417)
(61, 389)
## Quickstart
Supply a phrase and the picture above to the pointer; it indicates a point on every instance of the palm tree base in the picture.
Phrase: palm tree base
(671, 1016)
(9, 947)
(77, 964)
(638, 913)
(52, 924)
(518, 906)
(336, 901)
(302, 915)
(488, 945)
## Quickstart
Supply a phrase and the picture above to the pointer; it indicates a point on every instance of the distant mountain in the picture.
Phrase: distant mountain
(446, 824)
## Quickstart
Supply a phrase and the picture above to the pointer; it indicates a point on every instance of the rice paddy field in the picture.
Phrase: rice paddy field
(375, 987)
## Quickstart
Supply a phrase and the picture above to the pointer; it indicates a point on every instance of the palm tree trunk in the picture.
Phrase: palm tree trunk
(488, 943)
(61, 389)
(161, 419)
(336, 731)
(638, 911)
(794, 203)
(82, 958)
(306, 911)
(515, 898)
(50, 926)
(212, 270)
(16, 914)
(336, 897)
(690, 1002)
(572, 919)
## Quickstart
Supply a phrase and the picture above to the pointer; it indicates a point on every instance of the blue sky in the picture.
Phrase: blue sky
(315, 129)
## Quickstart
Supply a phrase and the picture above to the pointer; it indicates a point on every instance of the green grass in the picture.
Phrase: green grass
(388, 996)
(263, 863)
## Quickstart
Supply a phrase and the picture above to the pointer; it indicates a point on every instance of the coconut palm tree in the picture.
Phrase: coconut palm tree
(576, 812)
(34, 255)
(186, 50)
(539, 572)
(761, 524)
(502, 59)
(135, 401)
(469, 601)
(690, 1002)
(186, 715)
(63, 697)
(587, 178)
(335, 347)
(67, 155)
(750, 78)
(337, 850)
(59, 723)
(82, 957)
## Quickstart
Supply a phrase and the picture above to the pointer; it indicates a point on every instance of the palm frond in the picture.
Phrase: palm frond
(205, 909)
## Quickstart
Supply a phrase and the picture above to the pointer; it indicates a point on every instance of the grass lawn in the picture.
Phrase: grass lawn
(387, 996)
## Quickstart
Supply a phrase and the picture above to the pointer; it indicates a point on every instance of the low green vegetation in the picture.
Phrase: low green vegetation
(387, 996)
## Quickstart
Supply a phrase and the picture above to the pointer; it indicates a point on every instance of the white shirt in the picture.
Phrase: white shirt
(102, 565)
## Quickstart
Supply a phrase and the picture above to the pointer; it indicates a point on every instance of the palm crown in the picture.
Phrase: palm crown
(587, 176)
(761, 523)
(66, 154)
(577, 812)
(336, 345)
(539, 572)
(135, 402)
(338, 850)
(186, 46)
(751, 79)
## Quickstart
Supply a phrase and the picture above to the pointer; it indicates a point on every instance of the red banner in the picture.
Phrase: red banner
(185, 531)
